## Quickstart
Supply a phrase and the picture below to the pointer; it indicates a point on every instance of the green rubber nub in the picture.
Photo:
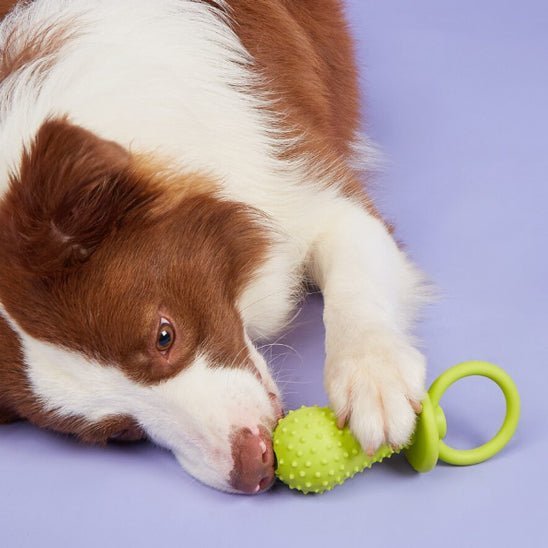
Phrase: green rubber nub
(426, 446)
(314, 455)
(423, 451)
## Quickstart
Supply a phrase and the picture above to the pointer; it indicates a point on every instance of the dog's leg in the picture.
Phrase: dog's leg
(374, 375)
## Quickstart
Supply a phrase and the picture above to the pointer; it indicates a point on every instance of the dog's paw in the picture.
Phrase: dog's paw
(376, 386)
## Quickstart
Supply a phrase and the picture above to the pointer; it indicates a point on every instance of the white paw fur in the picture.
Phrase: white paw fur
(376, 385)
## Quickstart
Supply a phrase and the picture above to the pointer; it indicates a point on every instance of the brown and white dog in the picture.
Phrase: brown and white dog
(171, 172)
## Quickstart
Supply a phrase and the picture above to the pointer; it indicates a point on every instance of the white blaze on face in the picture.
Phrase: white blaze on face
(193, 414)
(201, 408)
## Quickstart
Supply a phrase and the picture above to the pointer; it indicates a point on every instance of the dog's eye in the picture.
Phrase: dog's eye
(166, 336)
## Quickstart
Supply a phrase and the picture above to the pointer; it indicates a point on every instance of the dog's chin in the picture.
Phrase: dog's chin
(217, 479)
(248, 469)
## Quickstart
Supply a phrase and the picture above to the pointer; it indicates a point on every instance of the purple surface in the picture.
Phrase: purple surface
(457, 97)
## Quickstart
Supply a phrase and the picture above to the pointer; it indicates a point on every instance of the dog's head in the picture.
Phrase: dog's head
(121, 285)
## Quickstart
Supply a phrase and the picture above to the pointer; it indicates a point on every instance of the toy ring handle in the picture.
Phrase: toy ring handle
(464, 457)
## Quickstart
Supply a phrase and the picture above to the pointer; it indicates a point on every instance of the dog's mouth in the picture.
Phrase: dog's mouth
(279, 412)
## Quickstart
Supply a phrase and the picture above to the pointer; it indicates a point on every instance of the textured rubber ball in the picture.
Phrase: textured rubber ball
(314, 455)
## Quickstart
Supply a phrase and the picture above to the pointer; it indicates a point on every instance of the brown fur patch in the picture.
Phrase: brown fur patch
(72, 190)
(6, 6)
(12, 383)
(305, 54)
(97, 246)
(39, 47)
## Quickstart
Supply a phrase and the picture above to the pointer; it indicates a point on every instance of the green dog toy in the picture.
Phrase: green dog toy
(314, 455)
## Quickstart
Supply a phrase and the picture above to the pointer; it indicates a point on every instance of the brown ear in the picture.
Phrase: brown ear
(73, 189)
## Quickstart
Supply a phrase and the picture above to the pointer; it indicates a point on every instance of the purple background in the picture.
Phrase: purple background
(457, 97)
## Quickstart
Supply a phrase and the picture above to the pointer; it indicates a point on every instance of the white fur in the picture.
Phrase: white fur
(373, 372)
(174, 80)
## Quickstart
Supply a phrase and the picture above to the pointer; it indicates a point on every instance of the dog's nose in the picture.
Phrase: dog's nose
(253, 456)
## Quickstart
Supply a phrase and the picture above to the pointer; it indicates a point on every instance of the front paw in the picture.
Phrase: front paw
(376, 386)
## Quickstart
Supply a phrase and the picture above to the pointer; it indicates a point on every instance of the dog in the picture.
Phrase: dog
(172, 175)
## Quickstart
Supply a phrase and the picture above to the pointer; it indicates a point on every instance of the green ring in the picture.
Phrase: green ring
(463, 457)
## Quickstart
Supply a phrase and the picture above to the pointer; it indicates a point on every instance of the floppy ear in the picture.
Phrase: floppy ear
(73, 189)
